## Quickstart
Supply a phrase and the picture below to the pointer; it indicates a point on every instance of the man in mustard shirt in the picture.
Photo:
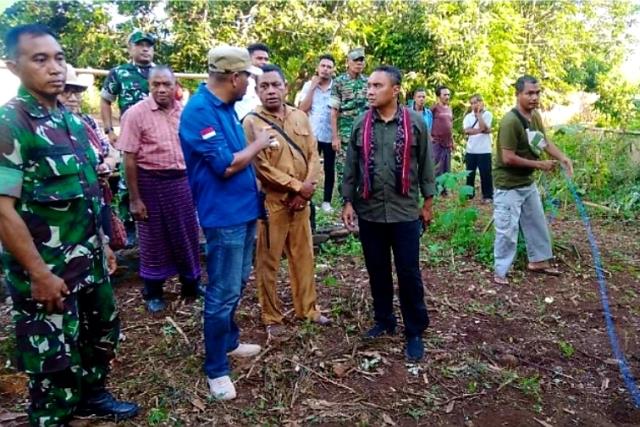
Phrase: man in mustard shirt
(288, 173)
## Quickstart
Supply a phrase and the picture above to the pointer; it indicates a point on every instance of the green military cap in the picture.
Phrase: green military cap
(138, 35)
(231, 59)
(356, 53)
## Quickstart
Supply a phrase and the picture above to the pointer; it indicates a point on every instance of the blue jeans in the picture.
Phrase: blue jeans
(229, 256)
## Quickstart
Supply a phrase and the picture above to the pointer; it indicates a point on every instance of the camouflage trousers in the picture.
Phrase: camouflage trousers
(66, 355)
(341, 158)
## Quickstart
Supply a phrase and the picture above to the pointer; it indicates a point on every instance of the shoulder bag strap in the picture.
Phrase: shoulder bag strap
(283, 134)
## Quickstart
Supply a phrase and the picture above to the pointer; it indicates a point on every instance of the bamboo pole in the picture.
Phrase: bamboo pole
(98, 72)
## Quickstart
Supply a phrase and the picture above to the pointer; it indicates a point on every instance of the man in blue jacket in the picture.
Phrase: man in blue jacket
(223, 183)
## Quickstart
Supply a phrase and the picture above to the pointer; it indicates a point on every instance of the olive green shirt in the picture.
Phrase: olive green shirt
(385, 203)
(512, 136)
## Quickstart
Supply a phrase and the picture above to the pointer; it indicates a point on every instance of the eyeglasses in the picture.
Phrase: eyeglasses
(69, 89)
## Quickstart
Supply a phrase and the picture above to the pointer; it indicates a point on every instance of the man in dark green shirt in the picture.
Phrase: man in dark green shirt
(517, 204)
(388, 167)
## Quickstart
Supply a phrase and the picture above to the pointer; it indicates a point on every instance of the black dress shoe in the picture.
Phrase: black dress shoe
(104, 405)
(378, 330)
(193, 292)
(415, 349)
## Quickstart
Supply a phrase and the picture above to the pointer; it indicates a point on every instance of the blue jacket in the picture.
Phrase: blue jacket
(210, 133)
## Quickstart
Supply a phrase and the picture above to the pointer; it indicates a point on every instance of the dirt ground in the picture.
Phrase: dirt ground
(533, 353)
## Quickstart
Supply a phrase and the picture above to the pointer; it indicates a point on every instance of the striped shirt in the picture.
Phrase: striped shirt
(151, 133)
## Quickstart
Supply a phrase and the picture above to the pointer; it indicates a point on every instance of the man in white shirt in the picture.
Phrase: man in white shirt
(259, 53)
(477, 127)
(315, 97)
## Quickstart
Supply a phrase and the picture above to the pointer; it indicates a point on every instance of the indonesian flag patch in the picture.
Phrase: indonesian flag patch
(207, 133)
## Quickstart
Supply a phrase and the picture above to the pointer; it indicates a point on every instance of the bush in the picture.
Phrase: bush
(606, 168)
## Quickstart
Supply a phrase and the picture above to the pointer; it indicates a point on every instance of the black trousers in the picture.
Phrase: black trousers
(326, 150)
(379, 241)
(481, 162)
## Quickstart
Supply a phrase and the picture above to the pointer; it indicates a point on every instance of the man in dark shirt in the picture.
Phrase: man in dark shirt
(388, 168)
(442, 131)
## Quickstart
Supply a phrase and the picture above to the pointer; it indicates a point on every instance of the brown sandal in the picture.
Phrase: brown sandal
(544, 270)
(500, 280)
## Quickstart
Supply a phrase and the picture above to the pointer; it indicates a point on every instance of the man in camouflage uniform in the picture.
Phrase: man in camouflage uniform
(56, 259)
(348, 98)
(129, 84)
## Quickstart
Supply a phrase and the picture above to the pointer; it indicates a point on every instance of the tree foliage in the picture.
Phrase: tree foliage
(469, 45)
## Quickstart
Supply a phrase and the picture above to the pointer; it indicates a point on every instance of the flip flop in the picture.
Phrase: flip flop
(545, 270)
(500, 280)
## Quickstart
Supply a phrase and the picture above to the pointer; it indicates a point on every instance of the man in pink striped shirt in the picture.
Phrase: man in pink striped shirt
(160, 197)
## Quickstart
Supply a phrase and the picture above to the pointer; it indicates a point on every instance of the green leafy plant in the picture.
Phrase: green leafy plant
(157, 416)
(530, 387)
(566, 349)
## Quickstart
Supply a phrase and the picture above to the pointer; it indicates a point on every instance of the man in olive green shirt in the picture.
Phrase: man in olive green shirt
(517, 204)
(388, 167)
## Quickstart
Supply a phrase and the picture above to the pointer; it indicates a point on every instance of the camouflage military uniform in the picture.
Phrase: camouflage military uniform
(349, 97)
(128, 83)
(48, 165)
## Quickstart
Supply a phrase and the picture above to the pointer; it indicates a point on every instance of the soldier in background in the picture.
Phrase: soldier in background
(129, 84)
(348, 98)
(57, 258)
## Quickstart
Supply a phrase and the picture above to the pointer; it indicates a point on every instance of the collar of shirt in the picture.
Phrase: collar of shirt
(360, 77)
(134, 65)
(264, 112)
(395, 118)
(324, 90)
(155, 107)
(32, 106)
(211, 97)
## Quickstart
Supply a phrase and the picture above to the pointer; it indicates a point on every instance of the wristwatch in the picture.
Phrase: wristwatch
(108, 130)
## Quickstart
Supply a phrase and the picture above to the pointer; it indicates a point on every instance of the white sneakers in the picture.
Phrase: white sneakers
(326, 207)
(222, 388)
(245, 350)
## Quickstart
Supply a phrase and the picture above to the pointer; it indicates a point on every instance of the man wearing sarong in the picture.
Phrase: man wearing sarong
(442, 131)
(388, 168)
(160, 197)
(288, 173)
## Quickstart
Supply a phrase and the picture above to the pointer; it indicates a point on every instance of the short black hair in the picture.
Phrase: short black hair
(269, 68)
(12, 38)
(522, 80)
(392, 72)
(440, 88)
(327, 56)
(161, 68)
(254, 47)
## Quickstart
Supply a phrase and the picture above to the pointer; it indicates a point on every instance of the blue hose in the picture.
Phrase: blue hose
(625, 371)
